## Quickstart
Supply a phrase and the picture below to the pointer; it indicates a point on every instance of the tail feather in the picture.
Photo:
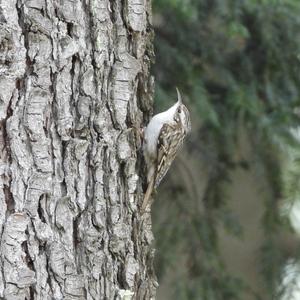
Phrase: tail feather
(148, 194)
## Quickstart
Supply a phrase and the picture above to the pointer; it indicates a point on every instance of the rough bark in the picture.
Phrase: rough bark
(74, 87)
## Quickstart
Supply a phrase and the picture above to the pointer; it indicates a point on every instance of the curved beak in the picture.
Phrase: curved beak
(179, 96)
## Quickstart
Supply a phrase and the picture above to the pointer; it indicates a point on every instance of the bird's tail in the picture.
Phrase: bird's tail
(148, 193)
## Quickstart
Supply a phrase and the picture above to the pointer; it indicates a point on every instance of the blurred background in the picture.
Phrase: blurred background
(227, 215)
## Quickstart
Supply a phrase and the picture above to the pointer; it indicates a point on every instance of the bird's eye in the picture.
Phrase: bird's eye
(179, 110)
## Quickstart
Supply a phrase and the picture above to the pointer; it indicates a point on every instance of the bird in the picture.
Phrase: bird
(163, 137)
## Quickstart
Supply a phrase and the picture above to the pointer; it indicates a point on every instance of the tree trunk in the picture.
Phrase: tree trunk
(74, 88)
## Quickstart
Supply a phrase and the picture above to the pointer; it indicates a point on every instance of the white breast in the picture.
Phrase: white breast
(153, 129)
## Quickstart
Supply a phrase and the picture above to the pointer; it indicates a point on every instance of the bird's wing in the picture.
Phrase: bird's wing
(169, 141)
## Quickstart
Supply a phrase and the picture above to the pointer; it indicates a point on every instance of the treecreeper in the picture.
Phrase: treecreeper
(163, 137)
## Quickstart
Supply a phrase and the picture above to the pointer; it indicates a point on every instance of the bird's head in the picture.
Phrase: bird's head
(182, 114)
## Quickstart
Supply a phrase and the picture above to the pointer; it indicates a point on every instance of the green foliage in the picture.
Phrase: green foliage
(237, 64)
